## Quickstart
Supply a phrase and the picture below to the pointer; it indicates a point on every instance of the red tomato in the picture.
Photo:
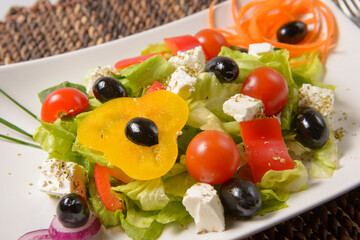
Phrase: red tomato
(124, 63)
(155, 86)
(212, 157)
(103, 187)
(265, 146)
(269, 86)
(181, 43)
(62, 102)
(211, 42)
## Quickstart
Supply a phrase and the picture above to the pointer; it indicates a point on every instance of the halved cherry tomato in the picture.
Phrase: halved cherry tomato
(212, 157)
(103, 187)
(269, 86)
(124, 63)
(265, 146)
(63, 102)
(155, 86)
(211, 42)
(181, 43)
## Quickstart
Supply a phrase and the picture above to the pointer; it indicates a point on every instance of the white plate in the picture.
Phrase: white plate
(24, 209)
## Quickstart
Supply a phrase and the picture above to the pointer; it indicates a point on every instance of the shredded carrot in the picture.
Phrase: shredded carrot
(259, 20)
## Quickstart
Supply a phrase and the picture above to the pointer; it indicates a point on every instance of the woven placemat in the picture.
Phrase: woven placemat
(48, 29)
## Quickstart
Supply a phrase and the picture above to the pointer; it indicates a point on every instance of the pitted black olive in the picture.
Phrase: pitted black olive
(142, 131)
(72, 211)
(107, 88)
(311, 128)
(225, 68)
(240, 198)
(292, 32)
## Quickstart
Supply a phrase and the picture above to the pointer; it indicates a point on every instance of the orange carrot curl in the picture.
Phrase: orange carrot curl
(258, 21)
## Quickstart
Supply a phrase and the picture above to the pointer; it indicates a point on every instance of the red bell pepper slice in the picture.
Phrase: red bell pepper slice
(265, 147)
(181, 43)
(119, 174)
(103, 187)
(155, 86)
(124, 63)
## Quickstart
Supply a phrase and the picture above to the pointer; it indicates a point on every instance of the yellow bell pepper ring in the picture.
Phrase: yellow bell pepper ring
(104, 130)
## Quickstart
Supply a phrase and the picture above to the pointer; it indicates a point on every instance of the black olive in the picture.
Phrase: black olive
(292, 32)
(107, 88)
(225, 68)
(142, 131)
(72, 211)
(243, 50)
(311, 128)
(240, 198)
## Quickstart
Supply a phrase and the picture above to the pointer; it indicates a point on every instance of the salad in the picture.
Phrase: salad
(154, 169)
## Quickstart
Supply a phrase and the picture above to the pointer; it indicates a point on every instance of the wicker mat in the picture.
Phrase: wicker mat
(44, 29)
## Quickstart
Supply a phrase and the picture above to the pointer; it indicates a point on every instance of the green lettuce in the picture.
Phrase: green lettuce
(153, 232)
(107, 218)
(57, 139)
(148, 195)
(324, 161)
(138, 77)
(205, 105)
(275, 186)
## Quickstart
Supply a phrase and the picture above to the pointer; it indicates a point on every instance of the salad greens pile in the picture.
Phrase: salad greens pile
(152, 204)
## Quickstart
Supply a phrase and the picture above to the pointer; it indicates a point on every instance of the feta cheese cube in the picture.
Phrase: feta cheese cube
(97, 73)
(320, 99)
(60, 178)
(243, 108)
(181, 83)
(204, 205)
(192, 60)
(258, 48)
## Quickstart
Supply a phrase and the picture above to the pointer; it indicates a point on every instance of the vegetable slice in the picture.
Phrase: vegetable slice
(103, 187)
(42, 234)
(181, 43)
(265, 147)
(58, 232)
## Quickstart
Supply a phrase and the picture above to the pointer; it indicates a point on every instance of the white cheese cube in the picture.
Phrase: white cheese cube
(320, 99)
(97, 73)
(60, 178)
(258, 48)
(192, 60)
(181, 83)
(243, 108)
(204, 205)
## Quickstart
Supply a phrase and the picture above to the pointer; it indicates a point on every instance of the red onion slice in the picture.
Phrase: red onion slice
(42, 234)
(58, 232)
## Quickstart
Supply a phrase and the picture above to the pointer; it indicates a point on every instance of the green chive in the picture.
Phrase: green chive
(16, 128)
(20, 142)
(18, 104)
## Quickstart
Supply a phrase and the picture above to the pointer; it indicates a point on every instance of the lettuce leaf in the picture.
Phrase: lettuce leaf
(148, 195)
(57, 139)
(140, 76)
(206, 102)
(324, 162)
(137, 217)
(173, 212)
(107, 218)
(151, 233)
(276, 186)
(290, 180)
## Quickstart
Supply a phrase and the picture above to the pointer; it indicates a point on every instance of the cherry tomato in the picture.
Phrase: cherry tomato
(62, 102)
(211, 41)
(212, 157)
(269, 86)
